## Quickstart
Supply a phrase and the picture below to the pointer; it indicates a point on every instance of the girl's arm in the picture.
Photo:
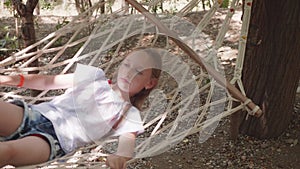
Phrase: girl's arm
(38, 81)
(124, 153)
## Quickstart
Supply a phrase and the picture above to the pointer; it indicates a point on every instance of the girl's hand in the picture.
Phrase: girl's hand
(124, 153)
(116, 162)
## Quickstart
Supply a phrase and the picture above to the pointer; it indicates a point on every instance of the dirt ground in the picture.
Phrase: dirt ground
(219, 151)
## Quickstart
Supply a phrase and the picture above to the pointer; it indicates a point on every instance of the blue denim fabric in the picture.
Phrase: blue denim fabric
(35, 123)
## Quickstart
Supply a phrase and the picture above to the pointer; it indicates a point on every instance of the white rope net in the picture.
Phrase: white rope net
(188, 100)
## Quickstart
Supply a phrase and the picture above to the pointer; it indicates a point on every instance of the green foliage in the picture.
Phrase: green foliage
(61, 24)
(8, 4)
(225, 4)
(7, 42)
(44, 4)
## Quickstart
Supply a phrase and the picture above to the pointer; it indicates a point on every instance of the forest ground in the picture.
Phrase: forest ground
(219, 151)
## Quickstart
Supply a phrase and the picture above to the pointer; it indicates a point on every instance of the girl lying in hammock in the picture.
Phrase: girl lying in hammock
(89, 111)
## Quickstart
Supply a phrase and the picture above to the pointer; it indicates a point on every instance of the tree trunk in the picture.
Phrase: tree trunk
(26, 14)
(83, 5)
(271, 67)
(102, 8)
(27, 27)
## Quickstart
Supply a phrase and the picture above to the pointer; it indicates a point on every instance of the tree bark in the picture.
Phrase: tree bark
(26, 14)
(82, 5)
(102, 8)
(271, 66)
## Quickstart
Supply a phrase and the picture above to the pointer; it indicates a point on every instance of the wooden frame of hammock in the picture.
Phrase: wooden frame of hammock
(255, 110)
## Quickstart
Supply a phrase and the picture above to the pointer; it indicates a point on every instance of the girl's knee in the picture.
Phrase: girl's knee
(7, 152)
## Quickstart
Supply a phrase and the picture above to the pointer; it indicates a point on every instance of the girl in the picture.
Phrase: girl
(90, 110)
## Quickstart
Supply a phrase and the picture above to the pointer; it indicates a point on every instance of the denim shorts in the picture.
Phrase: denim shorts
(35, 124)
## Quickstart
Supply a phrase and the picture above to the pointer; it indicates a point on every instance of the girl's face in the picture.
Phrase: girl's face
(135, 73)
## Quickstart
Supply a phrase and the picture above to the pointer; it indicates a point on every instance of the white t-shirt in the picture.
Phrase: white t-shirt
(86, 113)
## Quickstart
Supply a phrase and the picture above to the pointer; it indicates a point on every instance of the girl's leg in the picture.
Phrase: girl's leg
(11, 118)
(26, 151)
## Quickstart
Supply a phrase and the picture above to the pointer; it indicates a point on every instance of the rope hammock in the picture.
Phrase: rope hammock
(192, 96)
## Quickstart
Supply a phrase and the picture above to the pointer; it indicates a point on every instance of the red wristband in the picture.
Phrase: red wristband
(22, 79)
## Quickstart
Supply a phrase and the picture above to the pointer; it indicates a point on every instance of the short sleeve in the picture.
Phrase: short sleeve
(85, 73)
